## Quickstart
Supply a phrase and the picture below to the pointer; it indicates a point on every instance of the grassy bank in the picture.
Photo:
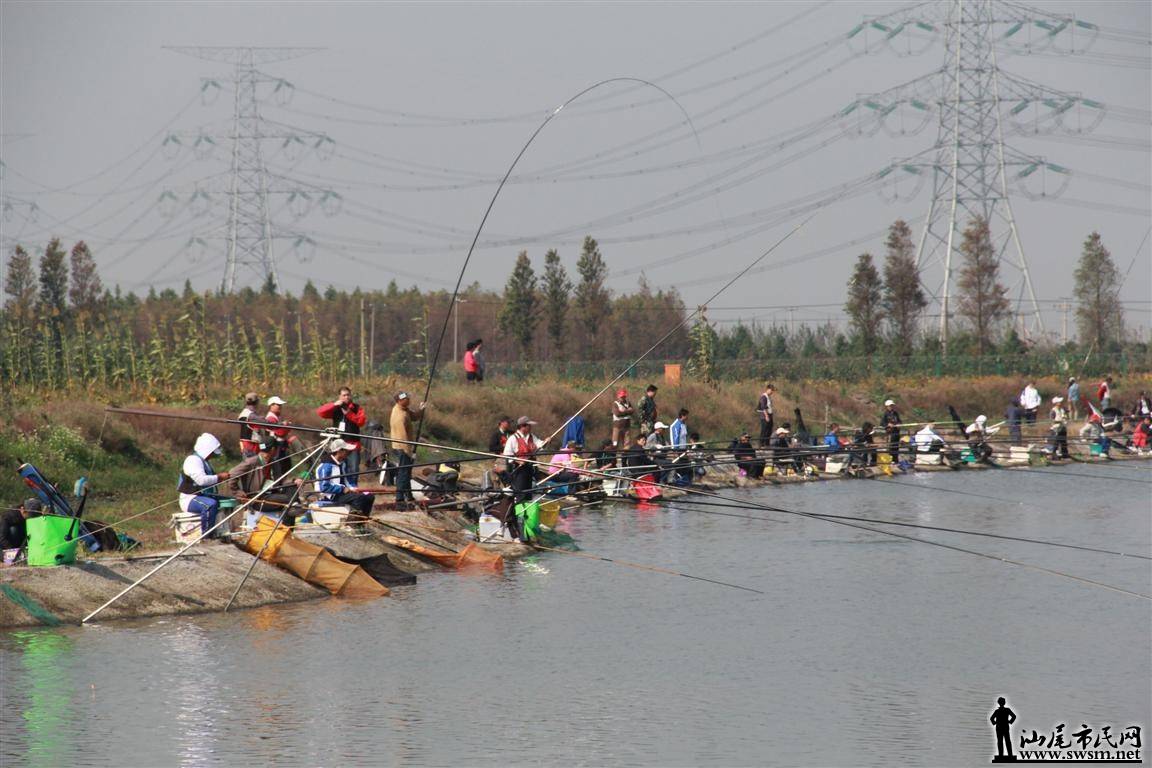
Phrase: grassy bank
(132, 462)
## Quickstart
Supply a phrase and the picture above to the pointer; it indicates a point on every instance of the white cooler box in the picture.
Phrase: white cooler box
(492, 530)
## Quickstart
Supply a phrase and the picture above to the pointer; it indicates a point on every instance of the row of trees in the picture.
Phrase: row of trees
(61, 327)
(885, 310)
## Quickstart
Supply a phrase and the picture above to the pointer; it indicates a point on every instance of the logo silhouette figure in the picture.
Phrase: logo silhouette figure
(1003, 718)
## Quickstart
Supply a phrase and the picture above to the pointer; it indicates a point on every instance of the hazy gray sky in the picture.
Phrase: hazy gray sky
(427, 104)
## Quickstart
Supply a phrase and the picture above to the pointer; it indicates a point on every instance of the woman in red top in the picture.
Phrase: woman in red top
(471, 370)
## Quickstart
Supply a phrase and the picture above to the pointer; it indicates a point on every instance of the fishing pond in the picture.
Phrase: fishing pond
(863, 649)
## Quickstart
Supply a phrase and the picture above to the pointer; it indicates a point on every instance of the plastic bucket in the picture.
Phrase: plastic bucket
(550, 513)
(187, 526)
(46, 540)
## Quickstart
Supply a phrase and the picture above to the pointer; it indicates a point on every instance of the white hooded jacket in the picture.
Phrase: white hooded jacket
(196, 466)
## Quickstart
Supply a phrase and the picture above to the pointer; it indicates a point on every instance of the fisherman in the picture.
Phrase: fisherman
(14, 523)
(679, 431)
(621, 419)
(562, 468)
(831, 438)
(606, 456)
(470, 370)
(637, 459)
(890, 420)
(574, 433)
(1142, 435)
(1093, 431)
(649, 412)
(863, 452)
(249, 478)
(347, 417)
(1143, 406)
(977, 433)
(1030, 401)
(373, 446)
(1104, 393)
(496, 442)
(783, 455)
(521, 450)
(745, 455)
(337, 485)
(197, 477)
(764, 408)
(658, 439)
(286, 441)
(248, 444)
(928, 441)
(1073, 397)
(404, 454)
(1013, 417)
(1058, 431)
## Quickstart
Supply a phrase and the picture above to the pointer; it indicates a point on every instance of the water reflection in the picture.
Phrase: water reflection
(45, 681)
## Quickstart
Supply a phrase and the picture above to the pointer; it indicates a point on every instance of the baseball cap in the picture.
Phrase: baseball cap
(621, 392)
(33, 505)
(275, 400)
(1057, 399)
(520, 422)
(889, 402)
(402, 395)
(338, 445)
(659, 425)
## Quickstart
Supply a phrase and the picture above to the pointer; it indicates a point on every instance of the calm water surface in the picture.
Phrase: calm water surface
(864, 650)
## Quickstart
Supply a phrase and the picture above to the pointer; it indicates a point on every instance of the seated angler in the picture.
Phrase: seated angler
(783, 454)
(13, 524)
(338, 486)
(745, 455)
(198, 480)
(863, 453)
(562, 468)
(928, 441)
(254, 474)
(1093, 431)
(977, 434)
(637, 460)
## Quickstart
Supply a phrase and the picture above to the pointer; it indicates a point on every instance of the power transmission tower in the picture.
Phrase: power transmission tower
(970, 178)
(249, 232)
(976, 103)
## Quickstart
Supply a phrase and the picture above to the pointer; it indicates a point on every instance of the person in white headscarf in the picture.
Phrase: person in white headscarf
(196, 479)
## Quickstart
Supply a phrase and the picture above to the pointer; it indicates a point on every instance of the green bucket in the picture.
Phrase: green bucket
(529, 515)
(46, 540)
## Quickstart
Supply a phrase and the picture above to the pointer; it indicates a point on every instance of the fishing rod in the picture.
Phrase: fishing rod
(967, 532)
(194, 542)
(318, 454)
(500, 188)
(682, 323)
(846, 523)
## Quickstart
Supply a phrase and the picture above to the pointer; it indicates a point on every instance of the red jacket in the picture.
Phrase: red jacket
(352, 415)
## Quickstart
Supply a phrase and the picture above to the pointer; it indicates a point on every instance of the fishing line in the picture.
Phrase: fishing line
(967, 532)
(496, 194)
(846, 523)
(655, 569)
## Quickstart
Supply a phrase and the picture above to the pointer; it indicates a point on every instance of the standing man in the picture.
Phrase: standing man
(1104, 393)
(286, 441)
(496, 442)
(891, 422)
(649, 413)
(336, 485)
(679, 431)
(248, 444)
(1013, 417)
(520, 450)
(764, 408)
(478, 359)
(403, 417)
(197, 477)
(1003, 718)
(1058, 441)
(347, 417)
(621, 419)
(1073, 397)
(1030, 402)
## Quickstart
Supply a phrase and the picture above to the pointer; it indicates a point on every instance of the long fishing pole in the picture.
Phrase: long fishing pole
(499, 189)
(681, 324)
(967, 532)
(191, 544)
(847, 523)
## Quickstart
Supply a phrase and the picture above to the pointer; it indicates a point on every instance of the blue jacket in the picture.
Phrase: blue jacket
(574, 432)
(329, 487)
(679, 434)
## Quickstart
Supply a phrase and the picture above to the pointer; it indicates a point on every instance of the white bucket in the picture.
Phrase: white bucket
(491, 529)
(929, 459)
(329, 517)
(834, 467)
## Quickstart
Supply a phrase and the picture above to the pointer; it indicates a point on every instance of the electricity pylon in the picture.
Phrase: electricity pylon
(976, 103)
(249, 234)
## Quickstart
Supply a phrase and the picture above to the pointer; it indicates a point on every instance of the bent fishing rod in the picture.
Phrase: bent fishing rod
(500, 187)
